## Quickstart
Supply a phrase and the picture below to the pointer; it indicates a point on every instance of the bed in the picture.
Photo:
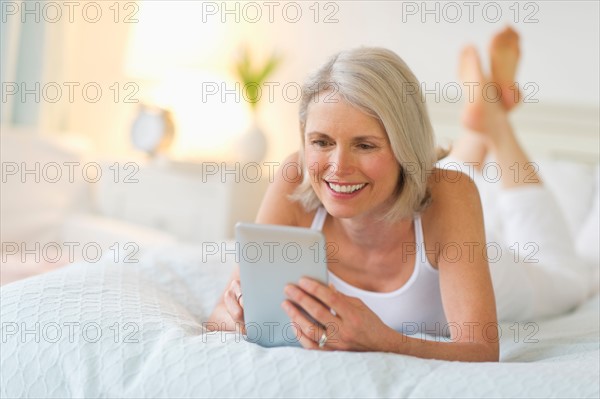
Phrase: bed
(137, 329)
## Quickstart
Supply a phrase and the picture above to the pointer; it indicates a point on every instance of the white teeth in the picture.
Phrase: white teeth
(346, 189)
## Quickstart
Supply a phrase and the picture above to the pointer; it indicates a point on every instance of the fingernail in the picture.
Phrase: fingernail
(305, 282)
(291, 290)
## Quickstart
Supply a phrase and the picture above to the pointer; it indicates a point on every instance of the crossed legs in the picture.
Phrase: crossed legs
(485, 117)
(538, 274)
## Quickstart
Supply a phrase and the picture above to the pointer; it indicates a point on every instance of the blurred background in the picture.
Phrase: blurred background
(151, 42)
(128, 120)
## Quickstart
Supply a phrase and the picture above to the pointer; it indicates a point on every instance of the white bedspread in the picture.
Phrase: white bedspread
(135, 330)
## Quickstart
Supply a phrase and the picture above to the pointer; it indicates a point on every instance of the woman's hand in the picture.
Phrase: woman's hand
(234, 304)
(350, 325)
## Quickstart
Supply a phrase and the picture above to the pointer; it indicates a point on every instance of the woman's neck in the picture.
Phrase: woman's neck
(372, 234)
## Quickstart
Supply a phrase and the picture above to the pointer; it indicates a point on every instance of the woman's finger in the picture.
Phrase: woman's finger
(328, 296)
(316, 309)
(307, 332)
(237, 288)
(234, 307)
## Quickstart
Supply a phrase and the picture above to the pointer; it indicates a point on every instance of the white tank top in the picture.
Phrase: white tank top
(416, 306)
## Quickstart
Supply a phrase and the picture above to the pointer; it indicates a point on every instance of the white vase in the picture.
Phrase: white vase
(252, 145)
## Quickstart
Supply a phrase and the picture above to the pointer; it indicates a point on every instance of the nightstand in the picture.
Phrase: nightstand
(196, 202)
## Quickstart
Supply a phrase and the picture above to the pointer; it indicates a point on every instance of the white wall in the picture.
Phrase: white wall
(560, 53)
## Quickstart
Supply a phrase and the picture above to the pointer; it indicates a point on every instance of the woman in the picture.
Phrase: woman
(411, 236)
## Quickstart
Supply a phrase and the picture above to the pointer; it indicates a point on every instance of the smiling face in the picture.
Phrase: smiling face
(352, 167)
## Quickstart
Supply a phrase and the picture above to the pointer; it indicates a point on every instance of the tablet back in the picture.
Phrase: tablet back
(270, 257)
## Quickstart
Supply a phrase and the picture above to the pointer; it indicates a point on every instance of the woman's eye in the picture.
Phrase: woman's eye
(319, 143)
(365, 146)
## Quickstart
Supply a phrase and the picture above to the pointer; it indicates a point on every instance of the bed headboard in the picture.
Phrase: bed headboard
(548, 131)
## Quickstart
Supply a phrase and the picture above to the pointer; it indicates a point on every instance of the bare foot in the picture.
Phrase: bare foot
(471, 73)
(483, 111)
(504, 55)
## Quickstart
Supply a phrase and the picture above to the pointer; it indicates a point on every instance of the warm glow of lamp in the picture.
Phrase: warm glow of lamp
(209, 115)
(172, 34)
(178, 60)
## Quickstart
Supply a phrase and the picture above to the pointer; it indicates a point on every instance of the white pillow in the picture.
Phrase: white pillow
(32, 211)
(107, 232)
(572, 184)
(587, 241)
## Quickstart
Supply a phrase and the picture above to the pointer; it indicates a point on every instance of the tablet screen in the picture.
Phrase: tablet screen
(270, 257)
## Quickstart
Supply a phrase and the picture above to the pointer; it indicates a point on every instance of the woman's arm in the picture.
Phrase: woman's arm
(465, 282)
(355, 327)
(456, 218)
(454, 351)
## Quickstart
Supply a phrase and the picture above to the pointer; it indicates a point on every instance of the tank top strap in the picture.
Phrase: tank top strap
(319, 220)
(423, 261)
(419, 240)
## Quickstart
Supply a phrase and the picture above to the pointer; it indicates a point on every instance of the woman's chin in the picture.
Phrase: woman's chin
(342, 211)
(355, 211)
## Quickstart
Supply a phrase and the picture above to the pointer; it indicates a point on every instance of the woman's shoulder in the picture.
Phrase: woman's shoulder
(453, 194)
(277, 207)
(449, 182)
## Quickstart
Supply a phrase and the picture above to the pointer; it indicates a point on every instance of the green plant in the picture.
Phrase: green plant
(253, 77)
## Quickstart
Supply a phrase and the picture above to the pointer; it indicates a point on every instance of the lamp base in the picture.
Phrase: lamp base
(252, 145)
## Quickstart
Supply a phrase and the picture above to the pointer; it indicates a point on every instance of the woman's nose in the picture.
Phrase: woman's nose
(342, 162)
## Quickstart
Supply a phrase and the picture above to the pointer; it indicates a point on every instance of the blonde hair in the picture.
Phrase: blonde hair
(379, 82)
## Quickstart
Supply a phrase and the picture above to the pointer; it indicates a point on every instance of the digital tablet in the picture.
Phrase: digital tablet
(270, 257)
